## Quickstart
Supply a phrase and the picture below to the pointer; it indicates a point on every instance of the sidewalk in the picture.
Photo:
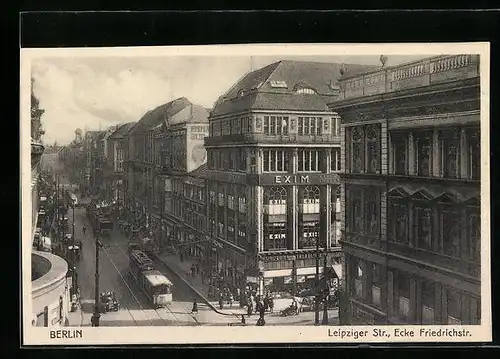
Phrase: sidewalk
(183, 270)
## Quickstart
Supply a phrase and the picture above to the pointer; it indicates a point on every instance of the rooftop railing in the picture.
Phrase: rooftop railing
(419, 73)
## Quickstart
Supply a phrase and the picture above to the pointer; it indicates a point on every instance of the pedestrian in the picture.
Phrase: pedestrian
(84, 229)
(193, 271)
(243, 321)
(271, 304)
(182, 257)
(249, 309)
(221, 303)
(231, 299)
(195, 307)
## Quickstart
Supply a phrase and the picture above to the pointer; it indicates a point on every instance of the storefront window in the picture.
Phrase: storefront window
(309, 234)
(275, 236)
(275, 200)
(372, 149)
(428, 302)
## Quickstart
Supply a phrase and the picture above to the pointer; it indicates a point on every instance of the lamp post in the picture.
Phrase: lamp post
(325, 296)
(317, 294)
(96, 315)
(74, 249)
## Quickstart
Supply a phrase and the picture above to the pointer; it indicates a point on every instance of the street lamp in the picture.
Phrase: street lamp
(316, 303)
(96, 315)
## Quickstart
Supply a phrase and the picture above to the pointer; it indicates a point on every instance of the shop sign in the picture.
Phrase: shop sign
(301, 278)
(291, 179)
(251, 279)
(287, 280)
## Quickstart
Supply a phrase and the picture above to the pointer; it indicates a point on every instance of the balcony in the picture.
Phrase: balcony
(430, 71)
(258, 138)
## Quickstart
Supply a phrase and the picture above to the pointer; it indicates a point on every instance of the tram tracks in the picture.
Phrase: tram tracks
(154, 310)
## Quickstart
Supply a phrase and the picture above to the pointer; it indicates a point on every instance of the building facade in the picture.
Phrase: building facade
(411, 192)
(158, 145)
(272, 176)
(116, 158)
(91, 152)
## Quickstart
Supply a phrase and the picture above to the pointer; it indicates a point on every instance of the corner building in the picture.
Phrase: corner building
(411, 192)
(273, 157)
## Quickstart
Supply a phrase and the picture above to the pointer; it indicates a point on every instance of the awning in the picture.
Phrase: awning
(338, 270)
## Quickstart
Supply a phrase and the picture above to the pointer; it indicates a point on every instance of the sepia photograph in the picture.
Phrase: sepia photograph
(298, 193)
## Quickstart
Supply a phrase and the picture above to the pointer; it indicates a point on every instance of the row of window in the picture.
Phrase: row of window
(307, 161)
(275, 125)
(233, 126)
(438, 228)
(450, 154)
(433, 226)
(227, 160)
(369, 283)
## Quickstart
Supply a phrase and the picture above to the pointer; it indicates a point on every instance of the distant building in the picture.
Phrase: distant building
(116, 158)
(161, 130)
(411, 192)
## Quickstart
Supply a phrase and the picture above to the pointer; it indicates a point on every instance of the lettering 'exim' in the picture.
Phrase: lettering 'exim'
(291, 179)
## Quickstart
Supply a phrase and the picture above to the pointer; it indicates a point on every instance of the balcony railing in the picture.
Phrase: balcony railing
(254, 138)
(420, 73)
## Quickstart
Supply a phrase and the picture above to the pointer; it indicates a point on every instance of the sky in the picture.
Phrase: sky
(93, 93)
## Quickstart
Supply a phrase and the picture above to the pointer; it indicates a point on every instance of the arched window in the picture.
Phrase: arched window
(310, 199)
(305, 90)
(275, 199)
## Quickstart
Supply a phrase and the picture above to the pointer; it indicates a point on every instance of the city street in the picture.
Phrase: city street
(135, 308)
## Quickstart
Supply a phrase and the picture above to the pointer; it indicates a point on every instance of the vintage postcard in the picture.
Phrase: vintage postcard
(334, 193)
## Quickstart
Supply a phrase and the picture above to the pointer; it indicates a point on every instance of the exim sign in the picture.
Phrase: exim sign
(291, 179)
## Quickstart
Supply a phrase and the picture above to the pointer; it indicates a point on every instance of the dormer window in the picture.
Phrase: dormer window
(278, 84)
(305, 90)
(241, 93)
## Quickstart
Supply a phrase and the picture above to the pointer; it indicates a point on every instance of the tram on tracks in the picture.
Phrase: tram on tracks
(152, 282)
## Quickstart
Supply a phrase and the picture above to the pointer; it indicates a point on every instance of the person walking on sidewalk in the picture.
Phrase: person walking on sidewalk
(231, 300)
(193, 271)
(84, 229)
(221, 302)
(195, 307)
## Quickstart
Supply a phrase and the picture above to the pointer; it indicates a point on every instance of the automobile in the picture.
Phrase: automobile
(109, 302)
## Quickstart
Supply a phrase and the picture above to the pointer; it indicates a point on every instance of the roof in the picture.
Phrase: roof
(273, 87)
(155, 117)
(198, 114)
(122, 130)
(201, 171)
(156, 278)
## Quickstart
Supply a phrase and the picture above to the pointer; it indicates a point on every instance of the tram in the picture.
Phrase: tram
(152, 282)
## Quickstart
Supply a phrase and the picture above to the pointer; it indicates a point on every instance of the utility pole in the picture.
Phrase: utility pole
(325, 296)
(74, 251)
(317, 294)
(96, 315)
